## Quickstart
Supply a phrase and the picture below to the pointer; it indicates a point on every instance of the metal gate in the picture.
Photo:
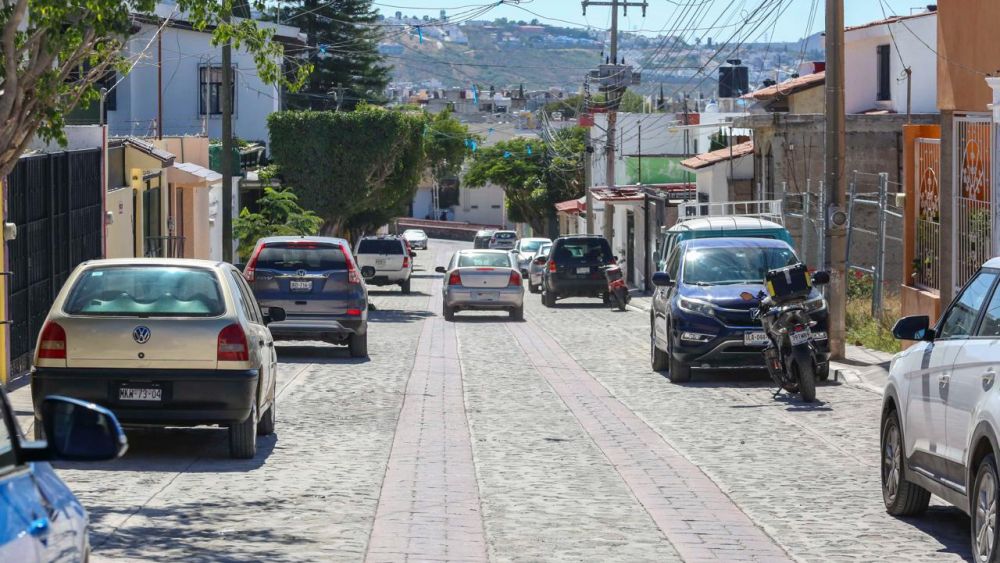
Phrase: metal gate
(927, 246)
(973, 210)
(55, 201)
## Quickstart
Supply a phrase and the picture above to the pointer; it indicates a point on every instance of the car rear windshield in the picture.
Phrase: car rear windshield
(413, 233)
(734, 265)
(291, 257)
(380, 246)
(146, 291)
(583, 251)
(505, 236)
(531, 245)
(545, 248)
(483, 260)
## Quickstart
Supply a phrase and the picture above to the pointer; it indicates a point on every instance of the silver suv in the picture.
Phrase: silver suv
(941, 412)
(385, 260)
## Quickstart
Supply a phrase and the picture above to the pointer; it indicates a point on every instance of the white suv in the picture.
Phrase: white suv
(385, 260)
(941, 412)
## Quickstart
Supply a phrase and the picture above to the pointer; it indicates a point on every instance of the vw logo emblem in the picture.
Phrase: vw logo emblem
(755, 313)
(300, 273)
(141, 334)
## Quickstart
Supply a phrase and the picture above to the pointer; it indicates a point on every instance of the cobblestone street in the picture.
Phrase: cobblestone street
(486, 439)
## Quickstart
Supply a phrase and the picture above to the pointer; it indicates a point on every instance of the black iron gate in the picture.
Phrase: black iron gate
(55, 201)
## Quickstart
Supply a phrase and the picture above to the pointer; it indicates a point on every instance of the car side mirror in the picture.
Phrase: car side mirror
(541, 260)
(368, 272)
(76, 430)
(413, 254)
(441, 270)
(274, 315)
(662, 279)
(821, 278)
(913, 328)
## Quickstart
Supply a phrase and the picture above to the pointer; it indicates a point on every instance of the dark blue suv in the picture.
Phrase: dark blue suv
(706, 306)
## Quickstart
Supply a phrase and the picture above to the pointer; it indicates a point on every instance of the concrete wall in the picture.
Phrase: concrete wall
(193, 149)
(812, 100)
(120, 243)
(713, 181)
(214, 212)
(77, 137)
(969, 50)
(914, 39)
(480, 206)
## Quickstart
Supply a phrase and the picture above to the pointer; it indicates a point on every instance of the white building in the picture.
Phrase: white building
(179, 74)
(723, 174)
(877, 54)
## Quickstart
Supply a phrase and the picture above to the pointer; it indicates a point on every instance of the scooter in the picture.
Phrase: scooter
(617, 290)
(790, 354)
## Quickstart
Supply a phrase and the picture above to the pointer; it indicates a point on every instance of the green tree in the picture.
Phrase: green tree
(52, 52)
(446, 145)
(534, 175)
(356, 169)
(632, 102)
(342, 38)
(280, 214)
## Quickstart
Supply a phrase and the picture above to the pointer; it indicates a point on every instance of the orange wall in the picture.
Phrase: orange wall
(968, 49)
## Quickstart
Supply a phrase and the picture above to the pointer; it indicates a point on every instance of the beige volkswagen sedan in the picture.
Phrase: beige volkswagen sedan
(482, 280)
(162, 342)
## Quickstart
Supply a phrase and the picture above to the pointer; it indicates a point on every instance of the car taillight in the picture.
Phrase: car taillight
(454, 279)
(352, 271)
(552, 266)
(406, 261)
(354, 312)
(52, 344)
(249, 271)
(515, 279)
(233, 345)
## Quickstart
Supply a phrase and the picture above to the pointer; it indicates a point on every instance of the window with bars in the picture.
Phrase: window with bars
(884, 78)
(210, 80)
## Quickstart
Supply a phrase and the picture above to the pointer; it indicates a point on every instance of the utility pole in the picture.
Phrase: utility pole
(226, 160)
(588, 180)
(836, 218)
(614, 77)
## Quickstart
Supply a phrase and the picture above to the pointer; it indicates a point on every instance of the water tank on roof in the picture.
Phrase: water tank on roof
(734, 81)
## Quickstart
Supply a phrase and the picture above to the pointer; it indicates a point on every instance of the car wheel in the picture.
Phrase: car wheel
(517, 314)
(658, 358)
(606, 298)
(243, 436)
(405, 286)
(901, 497)
(679, 371)
(548, 298)
(265, 426)
(532, 288)
(985, 540)
(357, 344)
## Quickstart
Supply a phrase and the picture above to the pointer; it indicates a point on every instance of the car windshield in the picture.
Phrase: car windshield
(483, 260)
(531, 245)
(412, 233)
(734, 265)
(380, 246)
(286, 257)
(583, 251)
(505, 236)
(146, 291)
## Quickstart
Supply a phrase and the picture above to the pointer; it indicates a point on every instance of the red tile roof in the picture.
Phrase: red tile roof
(788, 87)
(887, 21)
(709, 158)
(618, 194)
(572, 206)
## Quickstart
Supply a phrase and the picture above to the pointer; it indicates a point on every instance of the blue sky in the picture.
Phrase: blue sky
(660, 15)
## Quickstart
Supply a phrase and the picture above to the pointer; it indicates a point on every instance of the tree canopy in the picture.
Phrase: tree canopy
(534, 175)
(279, 214)
(52, 52)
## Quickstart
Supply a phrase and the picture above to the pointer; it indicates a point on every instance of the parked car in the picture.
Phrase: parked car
(503, 240)
(388, 258)
(316, 281)
(483, 238)
(482, 280)
(705, 309)
(717, 227)
(42, 520)
(417, 238)
(939, 412)
(525, 251)
(575, 268)
(162, 342)
(537, 267)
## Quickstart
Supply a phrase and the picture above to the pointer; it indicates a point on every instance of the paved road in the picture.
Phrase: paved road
(485, 439)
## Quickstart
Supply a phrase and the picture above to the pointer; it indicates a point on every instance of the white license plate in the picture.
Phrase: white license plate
(800, 337)
(301, 285)
(819, 336)
(487, 296)
(754, 339)
(380, 261)
(583, 270)
(140, 394)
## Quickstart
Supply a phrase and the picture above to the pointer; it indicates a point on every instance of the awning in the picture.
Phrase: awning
(192, 174)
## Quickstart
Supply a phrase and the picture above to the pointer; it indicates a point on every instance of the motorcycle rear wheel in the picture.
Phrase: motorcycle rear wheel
(621, 301)
(806, 376)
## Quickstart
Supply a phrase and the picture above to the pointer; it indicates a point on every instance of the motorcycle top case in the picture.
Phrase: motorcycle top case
(791, 282)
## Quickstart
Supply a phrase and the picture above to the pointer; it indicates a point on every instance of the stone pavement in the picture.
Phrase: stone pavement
(485, 439)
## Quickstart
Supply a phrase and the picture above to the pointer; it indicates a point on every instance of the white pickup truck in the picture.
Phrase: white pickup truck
(385, 260)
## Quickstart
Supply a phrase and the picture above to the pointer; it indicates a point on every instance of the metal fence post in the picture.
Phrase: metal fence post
(806, 225)
(852, 189)
(821, 226)
(879, 278)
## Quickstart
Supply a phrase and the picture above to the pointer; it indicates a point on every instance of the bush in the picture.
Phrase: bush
(864, 329)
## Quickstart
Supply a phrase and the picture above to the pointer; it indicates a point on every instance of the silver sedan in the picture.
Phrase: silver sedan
(482, 280)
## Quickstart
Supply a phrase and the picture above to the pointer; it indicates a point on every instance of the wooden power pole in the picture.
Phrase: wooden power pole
(835, 218)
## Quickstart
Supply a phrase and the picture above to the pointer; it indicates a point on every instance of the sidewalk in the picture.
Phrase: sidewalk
(865, 368)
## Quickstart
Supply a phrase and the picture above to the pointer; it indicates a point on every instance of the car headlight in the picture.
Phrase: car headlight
(695, 306)
(815, 304)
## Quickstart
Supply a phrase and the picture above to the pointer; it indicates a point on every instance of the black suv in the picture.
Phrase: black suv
(574, 268)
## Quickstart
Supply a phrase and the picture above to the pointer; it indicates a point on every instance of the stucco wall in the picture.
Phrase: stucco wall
(480, 206)
(968, 49)
(812, 100)
(713, 181)
(193, 149)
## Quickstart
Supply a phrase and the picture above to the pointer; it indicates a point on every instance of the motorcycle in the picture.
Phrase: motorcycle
(617, 290)
(790, 355)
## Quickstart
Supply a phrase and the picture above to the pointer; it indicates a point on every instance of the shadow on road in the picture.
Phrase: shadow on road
(398, 316)
(395, 292)
(472, 319)
(948, 525)
(316, 354)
